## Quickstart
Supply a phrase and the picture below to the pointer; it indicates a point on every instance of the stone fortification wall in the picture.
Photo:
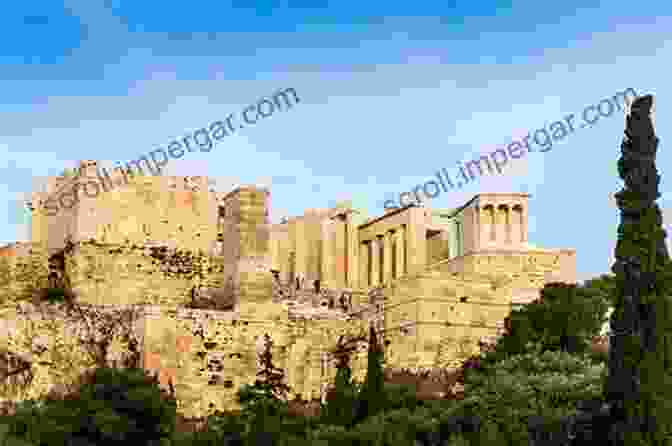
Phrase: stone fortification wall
(532, 268)
(209, 355)
(206, 355)
(437, 319)
(60, 344)
(23, 272)
(122, 274)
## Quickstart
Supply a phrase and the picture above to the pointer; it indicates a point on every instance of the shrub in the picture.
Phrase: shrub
(544, 383)
(339, 409)
(112, 406)
(55, 294)
(264, 404)
(399, 396)
(566, 317)
(220, 428)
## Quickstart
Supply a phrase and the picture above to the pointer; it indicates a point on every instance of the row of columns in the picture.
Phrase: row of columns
(348, 260)
(502, 224)
(393, 264)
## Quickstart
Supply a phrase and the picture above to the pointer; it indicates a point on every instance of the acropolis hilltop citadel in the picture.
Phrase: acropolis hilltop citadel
(214, 275)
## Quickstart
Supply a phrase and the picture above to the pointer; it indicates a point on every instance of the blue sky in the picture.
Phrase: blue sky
(390, 92)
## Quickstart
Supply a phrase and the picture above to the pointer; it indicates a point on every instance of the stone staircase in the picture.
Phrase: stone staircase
(327, 304)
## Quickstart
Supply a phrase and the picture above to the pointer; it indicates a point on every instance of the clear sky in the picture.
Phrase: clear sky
(390, 92)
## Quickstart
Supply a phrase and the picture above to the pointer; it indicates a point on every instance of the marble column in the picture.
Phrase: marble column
(327, 255)
(300, 248)
(338, 275)
(363, 265)
(508, 219)
(381, 259)
(487, 225)
(400, 251)
(393, 255)
(375, 262)
(516, 229)
(387, 257)
(353, 253)
(500, 224)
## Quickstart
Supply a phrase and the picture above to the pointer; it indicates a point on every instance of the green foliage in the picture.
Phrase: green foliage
(644, 284)
(271, 379)
(218, 426)
(264, 407)
(6, 440)
(111, 407)
(545, 383)
(604, 285)
(599, 357)
(340, 404)
(371, 400)
(258, 400)
(502, 395)
(400, 396)
(53, 295)
(566, 317)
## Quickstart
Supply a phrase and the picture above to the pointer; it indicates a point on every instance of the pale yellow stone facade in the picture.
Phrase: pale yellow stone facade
(433, 281)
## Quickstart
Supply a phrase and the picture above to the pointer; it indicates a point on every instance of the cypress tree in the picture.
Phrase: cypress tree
(640, 355)
(340, 401)
(371, 396)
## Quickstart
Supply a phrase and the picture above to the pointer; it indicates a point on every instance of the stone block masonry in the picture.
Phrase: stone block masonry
(245, 220)
(205, 355)
(136, 275)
